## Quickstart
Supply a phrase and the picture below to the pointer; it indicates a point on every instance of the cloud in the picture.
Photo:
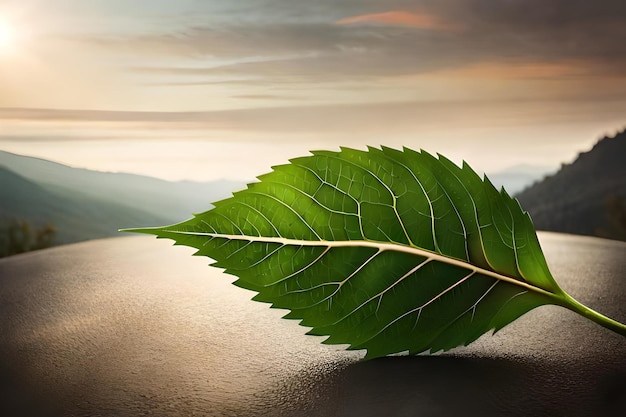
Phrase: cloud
(384, 120)
(401, 18)
(267, 44)
(266, 97)
(229, 54)
(483, 132)
(329, 48)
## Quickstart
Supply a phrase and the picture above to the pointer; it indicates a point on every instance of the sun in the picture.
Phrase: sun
(7, 36)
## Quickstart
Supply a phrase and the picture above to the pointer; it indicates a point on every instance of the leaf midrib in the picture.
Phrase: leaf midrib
(381, 246)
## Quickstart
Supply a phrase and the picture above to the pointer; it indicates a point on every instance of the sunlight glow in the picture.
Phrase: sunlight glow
(7, 36)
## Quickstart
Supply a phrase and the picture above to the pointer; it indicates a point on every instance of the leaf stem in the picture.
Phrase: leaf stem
(571, 304)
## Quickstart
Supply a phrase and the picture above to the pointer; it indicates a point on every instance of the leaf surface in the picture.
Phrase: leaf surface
(383, 250)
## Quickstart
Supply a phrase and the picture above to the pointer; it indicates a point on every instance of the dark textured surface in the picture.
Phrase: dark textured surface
(131, 326)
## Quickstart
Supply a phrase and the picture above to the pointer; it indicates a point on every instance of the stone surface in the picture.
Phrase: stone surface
(131, 326)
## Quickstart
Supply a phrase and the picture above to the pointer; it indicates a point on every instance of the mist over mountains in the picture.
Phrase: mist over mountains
(74, 216)
(81, 204)
(164, 198)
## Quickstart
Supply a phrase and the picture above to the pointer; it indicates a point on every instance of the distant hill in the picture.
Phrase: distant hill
(74, 217)
(171, 200)
(82, 204)
(585, 197)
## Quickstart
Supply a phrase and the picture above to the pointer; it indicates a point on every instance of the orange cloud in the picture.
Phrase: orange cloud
(523, 70)
(401, 18)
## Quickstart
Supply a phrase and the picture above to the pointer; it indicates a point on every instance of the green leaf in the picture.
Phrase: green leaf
(384, 250)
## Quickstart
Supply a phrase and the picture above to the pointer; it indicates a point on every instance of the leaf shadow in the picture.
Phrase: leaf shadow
(452, 385)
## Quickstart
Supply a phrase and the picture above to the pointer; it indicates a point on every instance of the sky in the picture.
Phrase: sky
(207, 89)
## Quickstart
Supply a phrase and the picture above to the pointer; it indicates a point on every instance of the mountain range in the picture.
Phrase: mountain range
(587, 196)
(81, 204)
